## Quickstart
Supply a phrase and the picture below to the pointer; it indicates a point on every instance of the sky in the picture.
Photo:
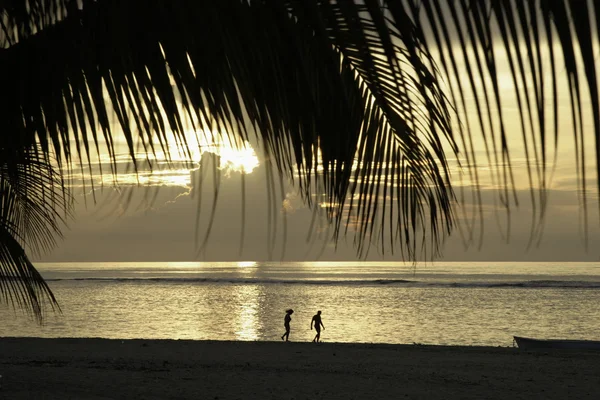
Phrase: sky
(161, 222)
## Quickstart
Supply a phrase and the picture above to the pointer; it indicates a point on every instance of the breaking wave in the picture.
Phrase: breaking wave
(559, 284)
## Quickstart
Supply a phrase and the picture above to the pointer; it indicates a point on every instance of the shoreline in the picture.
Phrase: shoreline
(94, 368)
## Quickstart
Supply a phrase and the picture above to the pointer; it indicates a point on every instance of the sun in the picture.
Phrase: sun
(174, 167)
(235, 155)
(240, 159)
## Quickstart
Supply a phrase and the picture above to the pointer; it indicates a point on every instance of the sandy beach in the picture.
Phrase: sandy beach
(34, 368)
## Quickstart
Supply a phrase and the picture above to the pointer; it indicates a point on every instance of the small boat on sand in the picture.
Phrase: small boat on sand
(529, 343)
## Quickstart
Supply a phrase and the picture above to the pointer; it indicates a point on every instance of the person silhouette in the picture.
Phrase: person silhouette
(316, 319)
(286, 323)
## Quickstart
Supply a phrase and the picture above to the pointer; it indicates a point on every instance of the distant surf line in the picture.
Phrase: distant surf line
(531, 284)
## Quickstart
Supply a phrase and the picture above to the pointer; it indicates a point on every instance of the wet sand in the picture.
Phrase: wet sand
(169, 369)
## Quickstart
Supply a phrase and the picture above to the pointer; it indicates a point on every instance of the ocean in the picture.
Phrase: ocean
(442, 303)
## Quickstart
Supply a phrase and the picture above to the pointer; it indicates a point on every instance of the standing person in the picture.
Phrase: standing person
(286, 323)
(318, 324)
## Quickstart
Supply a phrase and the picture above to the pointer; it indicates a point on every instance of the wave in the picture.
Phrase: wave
(558, 284)
(531, 284)
(242, 281)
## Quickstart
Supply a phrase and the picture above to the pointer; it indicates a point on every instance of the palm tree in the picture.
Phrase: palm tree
(360, 98)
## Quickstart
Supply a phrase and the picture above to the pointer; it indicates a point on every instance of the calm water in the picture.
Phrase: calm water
(439, 303)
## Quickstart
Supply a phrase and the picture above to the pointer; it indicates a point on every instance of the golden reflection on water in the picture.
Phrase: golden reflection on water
(248, 323)
(247, 264)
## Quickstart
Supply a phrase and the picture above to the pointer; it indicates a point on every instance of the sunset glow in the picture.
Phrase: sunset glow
(242, 159)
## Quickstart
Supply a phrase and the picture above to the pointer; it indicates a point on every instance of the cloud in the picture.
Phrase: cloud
(160, 224)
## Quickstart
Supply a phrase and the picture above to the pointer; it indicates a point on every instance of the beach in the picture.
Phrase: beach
(35, 368)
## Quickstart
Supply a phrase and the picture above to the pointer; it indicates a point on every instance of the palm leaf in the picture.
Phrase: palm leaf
(33, 205)
(342, 51)
(343, 96)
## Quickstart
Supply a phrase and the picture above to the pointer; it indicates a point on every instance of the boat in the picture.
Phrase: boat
(530, 343)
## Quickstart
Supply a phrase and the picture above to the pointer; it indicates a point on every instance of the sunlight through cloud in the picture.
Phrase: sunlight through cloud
(242, 159)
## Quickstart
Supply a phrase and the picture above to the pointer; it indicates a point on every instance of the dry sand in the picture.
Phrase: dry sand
(169, 369)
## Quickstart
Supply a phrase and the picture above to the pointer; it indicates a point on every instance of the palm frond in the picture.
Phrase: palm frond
(473, 35)
(385, 118)
(33, 206)
(345, 97)
(21, 19)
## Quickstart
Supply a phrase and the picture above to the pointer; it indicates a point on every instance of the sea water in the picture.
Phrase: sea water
(378, 302)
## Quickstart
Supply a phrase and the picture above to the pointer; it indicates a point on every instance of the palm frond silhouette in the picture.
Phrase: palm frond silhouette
(362, 102)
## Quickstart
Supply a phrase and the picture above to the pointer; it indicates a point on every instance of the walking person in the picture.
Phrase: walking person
(286, 324)
(316, 320)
